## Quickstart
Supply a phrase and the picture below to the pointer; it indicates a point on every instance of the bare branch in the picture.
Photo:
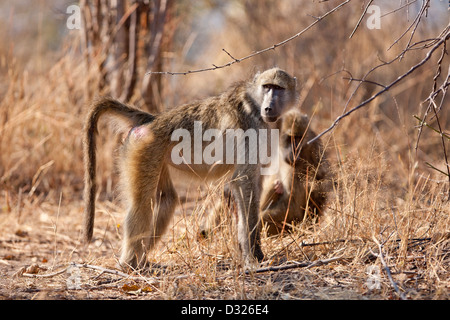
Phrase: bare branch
(433, 94)
(440, 41)
(307, 264)
(360, 19)
(273, 47)
(415, 23)
(234, 59)
(367, 81)
(434, 107)
(407, 4)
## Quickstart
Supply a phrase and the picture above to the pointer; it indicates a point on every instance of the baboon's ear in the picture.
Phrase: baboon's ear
(256, 76)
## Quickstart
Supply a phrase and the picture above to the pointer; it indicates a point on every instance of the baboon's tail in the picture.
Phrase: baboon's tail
(120, 111)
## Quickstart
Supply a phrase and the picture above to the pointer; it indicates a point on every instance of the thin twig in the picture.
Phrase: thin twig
(434, 93)
(424, 123)
(442, 139)
(415, 22)
(438, 170)
(425, 5)
(234, 59)
(360, 19)
(407, 4)
(386, 268)
(432, 106)
(366, 81)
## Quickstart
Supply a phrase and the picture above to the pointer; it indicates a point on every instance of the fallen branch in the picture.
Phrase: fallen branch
(34, 269)
(36, 275)
(101, 269)
(306, 264)
(149, 280)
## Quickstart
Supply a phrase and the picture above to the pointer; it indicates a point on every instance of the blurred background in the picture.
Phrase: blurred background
(57, 56)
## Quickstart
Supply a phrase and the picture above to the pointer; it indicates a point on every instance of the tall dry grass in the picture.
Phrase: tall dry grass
(382, 187)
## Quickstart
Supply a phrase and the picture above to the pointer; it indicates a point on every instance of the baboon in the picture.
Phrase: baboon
(146, 155)
(300, 185)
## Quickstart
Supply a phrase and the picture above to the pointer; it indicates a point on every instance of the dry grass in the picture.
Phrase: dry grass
(382, 189)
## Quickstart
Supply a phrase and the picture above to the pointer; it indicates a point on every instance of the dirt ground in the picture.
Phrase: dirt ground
(42, 257)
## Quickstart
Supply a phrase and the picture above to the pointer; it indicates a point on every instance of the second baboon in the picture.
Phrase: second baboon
(148, 151)
(299, 188)
(297, 191)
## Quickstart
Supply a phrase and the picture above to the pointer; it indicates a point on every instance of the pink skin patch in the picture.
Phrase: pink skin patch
(139, 132)
(278, 187)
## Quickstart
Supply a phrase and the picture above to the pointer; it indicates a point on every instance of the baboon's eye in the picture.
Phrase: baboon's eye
(270, 86)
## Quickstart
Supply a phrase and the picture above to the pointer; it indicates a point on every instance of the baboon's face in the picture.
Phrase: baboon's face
(275, 92)
(293, 136)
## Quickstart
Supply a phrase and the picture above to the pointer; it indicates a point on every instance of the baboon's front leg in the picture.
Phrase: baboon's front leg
(246, 192)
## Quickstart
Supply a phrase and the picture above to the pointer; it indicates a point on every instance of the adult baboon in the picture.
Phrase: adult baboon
(301, 184)
(148, 148)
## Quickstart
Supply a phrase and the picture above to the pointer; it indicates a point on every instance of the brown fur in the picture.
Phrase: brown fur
(145, 156)
(299, 189)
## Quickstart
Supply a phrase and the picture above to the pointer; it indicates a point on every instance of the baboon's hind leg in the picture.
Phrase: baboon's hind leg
(152, 201)
(166, 202)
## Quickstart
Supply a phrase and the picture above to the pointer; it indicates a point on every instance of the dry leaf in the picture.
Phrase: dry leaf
(135, 289)
(21, 233)
(130, 287)
(33, 269)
